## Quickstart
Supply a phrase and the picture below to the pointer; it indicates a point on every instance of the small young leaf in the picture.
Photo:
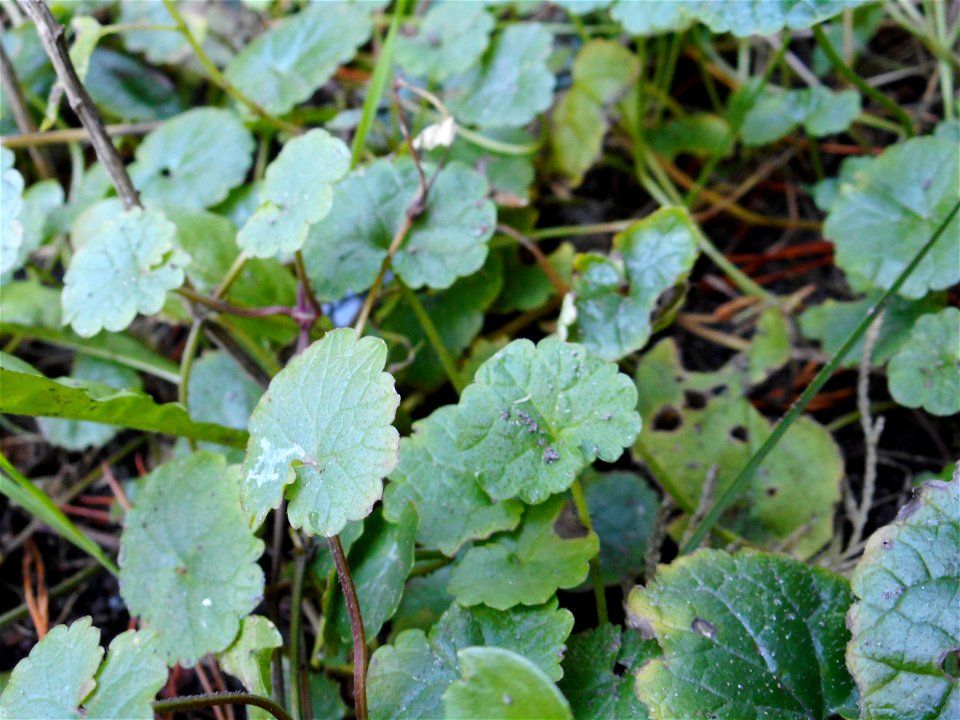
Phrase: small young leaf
(511, 85)
(248, 658)
(538, 414)
(925, 372)
(820, 111)
(615, 299)
(57, 675)
(906, 629)
(188, 559)
(345, 250)
(193, 160)
(499, 684)
(551, 550)
(285, 66)
(745, 635)
(598, 673)
(297, 193)
(125, 269)
(432, 475)
(451, 38)
(129, 678)
(324, 426)
(770, 346)
(11, 206)
(889, 209)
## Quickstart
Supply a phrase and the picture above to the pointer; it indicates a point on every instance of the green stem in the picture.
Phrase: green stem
(186, 361)
(219, 78)
(735, 488)
(433, 337)
(843, 69)
(580, 501)
(296, 662)
(198, 702)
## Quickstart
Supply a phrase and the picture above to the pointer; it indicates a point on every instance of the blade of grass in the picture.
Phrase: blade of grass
(36, 502)
(734, 489)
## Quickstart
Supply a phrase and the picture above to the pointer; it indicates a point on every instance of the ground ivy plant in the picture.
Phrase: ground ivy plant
(485, 360)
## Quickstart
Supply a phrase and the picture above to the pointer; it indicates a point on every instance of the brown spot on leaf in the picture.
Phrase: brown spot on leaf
(703, 627)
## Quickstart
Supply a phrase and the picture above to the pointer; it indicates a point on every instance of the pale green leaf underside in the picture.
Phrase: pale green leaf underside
(886, 211)
(193, 160)
(344, 251)
(125, 269)
(188, 557)
(550, 550)
(749, 635)
(11, 205)
(498, 684)
(296, 193)
(451, 38)
(432, 475)
(324, 426)
(538, 414)
(925, 372)
(906, 628)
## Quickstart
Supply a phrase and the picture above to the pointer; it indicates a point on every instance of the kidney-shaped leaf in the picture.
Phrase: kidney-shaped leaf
(125, 269)
(750, 635)
(296, 193)
(906, 628)
(188, 558)
(451, 38)
(891, 207)
(925, 372)
(538, 414)
(129, 678)
(820, 111)
(323, 425)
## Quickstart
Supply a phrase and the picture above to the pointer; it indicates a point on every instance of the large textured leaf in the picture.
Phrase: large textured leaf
(749, 635)
(284, 66)
(498, 684)
(408, 678)
(345, 250)
(249, 657)
(324, 426)
(925, 372)
(551, 550)
(820, 111)
(699, 422)
(188, 559)
(891, 207)
(296, 193)
(129, 678)
(598, 673)
(906, 628)
(57, 675)
(11, 206)
(30, 393)
(125, 269)
(451, 38)
(538, 414)
(616, 296)
(433, 476)
(193, 160)
(511, 85)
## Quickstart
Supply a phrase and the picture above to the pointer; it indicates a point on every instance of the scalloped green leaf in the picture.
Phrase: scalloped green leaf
(615, 297)
(345, 250)
(11, 207)
(511, 85)
(407, 679)
(296, 193)
(288, 63)
(449, 40)
(750, 635)
(890, 207)
(54, 679)
(125, 269)
(905, 625)
(550, 550)
(221, 392)
(323, 427)
(819, 110)
(193, 160)
(249, 657)
(497, 683)
(188, 558)
(925, 372)
(536, 415)
(129, 679)
(598, 673)
(77, 434)
(433, 476)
